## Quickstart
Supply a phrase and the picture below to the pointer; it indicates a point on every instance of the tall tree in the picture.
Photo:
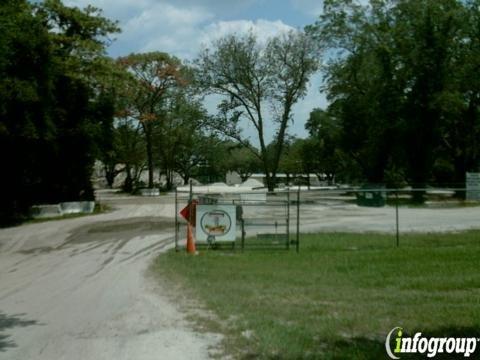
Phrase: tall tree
(130, 148)
(154, 75)
(399, 80)
(179, 139)
(322, 152)
(241, 160)
(26, 86)
(291, 162)
(47, 108)
(112, 84)
(360, 85)
(253, 76)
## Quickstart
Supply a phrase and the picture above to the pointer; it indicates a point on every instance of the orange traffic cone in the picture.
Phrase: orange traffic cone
(190, 240)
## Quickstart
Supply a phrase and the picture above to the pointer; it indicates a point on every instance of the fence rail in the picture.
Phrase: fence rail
(286, 213)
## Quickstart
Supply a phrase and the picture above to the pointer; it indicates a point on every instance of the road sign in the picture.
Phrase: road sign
(189, 212)
(216, 222)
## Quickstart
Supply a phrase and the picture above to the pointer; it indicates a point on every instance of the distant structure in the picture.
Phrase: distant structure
(232, 178)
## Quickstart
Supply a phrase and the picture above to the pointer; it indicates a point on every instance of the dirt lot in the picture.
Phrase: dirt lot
(78, 288)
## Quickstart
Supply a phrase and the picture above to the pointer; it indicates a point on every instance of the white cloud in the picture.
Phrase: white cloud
(115, 9)
(263, 29)
(181, 27)
(164, 27)
(220, 7)
(183, 32)
(312, 8)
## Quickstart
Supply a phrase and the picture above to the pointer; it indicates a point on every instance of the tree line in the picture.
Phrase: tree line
(401, 80)
(400, 77)
(52, 103)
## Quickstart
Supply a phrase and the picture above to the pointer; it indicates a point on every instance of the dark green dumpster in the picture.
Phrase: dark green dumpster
(372, 195)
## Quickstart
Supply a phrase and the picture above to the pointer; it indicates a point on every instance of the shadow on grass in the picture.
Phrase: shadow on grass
(363, 348)
(8, 322)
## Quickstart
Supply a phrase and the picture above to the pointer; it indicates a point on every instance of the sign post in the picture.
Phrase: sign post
(189, 213)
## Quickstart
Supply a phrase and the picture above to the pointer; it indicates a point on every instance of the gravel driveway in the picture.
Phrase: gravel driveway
(77, 289)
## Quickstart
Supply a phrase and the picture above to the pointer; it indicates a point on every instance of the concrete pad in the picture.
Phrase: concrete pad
(77, 207)
(45, 211)
(150, 192)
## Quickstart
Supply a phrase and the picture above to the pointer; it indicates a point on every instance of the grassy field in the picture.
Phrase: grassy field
(337, 298)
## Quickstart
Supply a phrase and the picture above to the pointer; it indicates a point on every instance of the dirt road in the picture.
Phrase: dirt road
(77, 289)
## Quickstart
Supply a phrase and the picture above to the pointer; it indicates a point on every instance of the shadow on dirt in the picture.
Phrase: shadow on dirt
(124, 229)
(8, 322)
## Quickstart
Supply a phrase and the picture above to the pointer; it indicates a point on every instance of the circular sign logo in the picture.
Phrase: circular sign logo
(216, 223)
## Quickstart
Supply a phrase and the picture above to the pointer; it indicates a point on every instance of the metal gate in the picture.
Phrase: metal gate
(263, 220)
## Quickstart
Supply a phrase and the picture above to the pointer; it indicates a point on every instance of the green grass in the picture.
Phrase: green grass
(337, 298)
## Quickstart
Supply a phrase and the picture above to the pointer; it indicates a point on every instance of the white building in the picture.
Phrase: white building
(232, 178)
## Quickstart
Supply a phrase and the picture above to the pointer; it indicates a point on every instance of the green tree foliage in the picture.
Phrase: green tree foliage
(107, 140)
(251, 77)
(119, 133)
(129, 147)
(291, 161)
(79, 38)
(47, 111)
(180, 138)
(303, 157)
(241, 160)
(154, 76)
(323, 152)
(214, 155)
(401, 84)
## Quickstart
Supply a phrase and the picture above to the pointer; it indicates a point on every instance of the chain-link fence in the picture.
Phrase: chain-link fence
(275, 220)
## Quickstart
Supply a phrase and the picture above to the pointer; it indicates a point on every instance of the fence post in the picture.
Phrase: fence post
(297, 243)
(176, 219)
(190, 215)
(396, 218)
(288, 219)
(243, 233)
(190, 197)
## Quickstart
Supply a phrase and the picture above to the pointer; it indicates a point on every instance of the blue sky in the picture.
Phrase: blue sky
(182, 27)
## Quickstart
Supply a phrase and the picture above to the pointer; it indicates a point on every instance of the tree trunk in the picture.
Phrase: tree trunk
(330, 178)
(160, 173)
(110, 175)
(169, 182)
(279, 144)
(460, 178)
(148, 136)
(268, 179)
(128, 184)
(244, 176)
(270, 182)
(418, 197)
